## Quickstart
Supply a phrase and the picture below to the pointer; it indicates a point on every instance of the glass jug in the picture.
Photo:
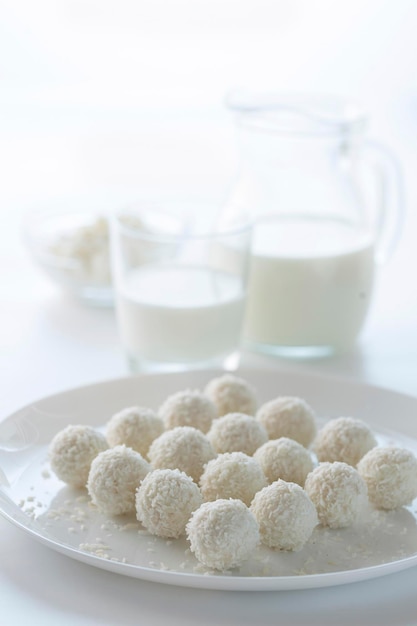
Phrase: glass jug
(327, 207)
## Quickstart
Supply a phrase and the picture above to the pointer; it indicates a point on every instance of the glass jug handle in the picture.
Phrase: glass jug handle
(389, 198)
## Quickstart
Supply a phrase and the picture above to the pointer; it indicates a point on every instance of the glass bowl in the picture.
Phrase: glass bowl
(72, 248)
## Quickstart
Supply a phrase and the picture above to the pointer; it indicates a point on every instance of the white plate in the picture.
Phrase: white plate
(62, 518)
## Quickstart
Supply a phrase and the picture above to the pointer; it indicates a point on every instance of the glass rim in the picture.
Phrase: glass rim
(186, 233)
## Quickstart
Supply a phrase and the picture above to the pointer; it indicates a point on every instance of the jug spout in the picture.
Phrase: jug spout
(298, 114)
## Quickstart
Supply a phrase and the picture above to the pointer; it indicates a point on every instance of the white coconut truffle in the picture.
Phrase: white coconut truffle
(223, 534)
(284, 458)
(135, 427)
(183, 447)
(188, 408)
(338, 493)
(288, 417)
(344, 439)
(391, 476)
(285, 514)
(232, 394)
(237, 432)
(165, 501)
(232, 475)
(71, 452)
(114, 477)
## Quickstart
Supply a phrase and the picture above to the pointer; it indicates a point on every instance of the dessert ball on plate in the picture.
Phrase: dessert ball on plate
(286, 459)
(344, 439)
(231, 394)
(237, 432)
(223, 534)
(184, 448)
(391, 476)
(135, 427)
(288, 417)
(114, 477)
(338, 492)
(71, 452)
(165, 501)
(188, 408)
(285, 514)
(232, 475)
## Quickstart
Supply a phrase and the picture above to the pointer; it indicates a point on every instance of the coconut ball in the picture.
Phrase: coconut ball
(223, 533)
(135, 427)
(338, 493)
(232, 475)
(284, 458)
(390, 475)
(188, 408)
(71, 452)
(165, 501)
(237, 432)
(344, 439)
(183, 447)
(114, 476)
(231, 394)
(288, 417)
(285, 514)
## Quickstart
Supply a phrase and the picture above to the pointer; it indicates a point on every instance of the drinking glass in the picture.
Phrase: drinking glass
(180, 288)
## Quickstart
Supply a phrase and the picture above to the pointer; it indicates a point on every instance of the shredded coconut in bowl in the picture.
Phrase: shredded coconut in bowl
(165, 501)
(188, 408)
(291, 417)
(344, 439)
(223, 534)
(232, 394)
(391, 476)
(232, 475)
(87, 247)
(72, 451)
